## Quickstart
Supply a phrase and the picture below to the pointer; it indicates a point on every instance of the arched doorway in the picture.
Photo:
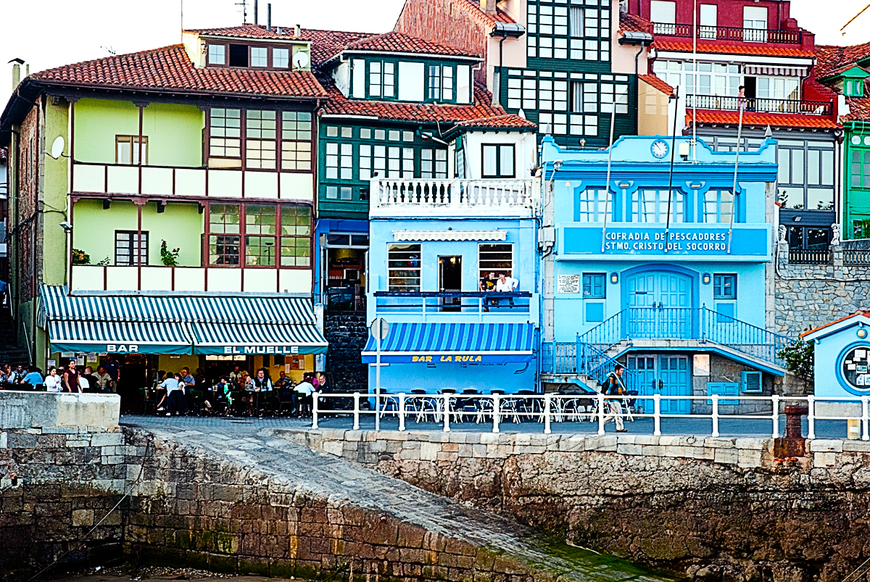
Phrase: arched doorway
(659, 304)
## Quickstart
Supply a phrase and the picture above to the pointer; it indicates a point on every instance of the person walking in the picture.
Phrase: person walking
(71, 378)
(613, 386)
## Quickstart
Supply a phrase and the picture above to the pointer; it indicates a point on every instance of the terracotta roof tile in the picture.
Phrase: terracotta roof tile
(246, 31)
(836, 59)
(657, 83)
(859, 109)
(325, 44)
(763, 119)
(472, 8)
(480, 112)
(766, 50)
(634, 23)
(169, 68)
(399, 42)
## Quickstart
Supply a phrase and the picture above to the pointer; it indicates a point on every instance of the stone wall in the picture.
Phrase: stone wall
(347, 334)
(714, 508)
(808, 296)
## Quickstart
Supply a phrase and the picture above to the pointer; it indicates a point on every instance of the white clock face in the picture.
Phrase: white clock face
(659, 149)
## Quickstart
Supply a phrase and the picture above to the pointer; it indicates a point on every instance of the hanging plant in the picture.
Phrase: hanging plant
(80, 257)
(168, 257)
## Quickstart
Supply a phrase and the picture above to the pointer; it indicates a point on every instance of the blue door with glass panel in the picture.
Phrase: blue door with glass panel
(659, 305)
(666, 375)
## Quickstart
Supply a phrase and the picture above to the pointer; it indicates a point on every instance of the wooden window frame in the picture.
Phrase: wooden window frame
(133, 140)
(139, 237)
(278, 238)
(499, 173)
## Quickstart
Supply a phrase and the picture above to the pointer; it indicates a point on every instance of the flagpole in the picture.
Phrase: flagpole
(740, 104)
(695, 85)
(609, 158)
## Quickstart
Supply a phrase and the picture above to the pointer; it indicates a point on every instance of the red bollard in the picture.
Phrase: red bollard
(793, 443)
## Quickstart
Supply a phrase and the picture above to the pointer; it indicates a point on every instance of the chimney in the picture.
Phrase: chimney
(297, 30)
(488, 6)
(269, 16)
(256, 12)
(16, 75)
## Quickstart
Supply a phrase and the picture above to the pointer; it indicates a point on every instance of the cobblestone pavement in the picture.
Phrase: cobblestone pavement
(252, 443)
(757, 427)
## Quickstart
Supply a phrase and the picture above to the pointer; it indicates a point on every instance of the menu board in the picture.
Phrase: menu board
(856, 368)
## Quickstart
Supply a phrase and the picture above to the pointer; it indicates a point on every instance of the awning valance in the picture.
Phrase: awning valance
(222, 338)
(119, 337)
(169, 323)
(454, 343)
(777, 70)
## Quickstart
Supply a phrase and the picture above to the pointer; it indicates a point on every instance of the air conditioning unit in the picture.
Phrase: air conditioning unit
(750, 382)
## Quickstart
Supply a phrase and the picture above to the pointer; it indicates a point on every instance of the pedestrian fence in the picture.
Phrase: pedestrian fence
(497, 409)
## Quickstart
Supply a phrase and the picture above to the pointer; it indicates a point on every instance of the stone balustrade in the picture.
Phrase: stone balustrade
(433, 197)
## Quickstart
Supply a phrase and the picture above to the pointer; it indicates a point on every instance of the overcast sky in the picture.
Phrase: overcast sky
(49, 33)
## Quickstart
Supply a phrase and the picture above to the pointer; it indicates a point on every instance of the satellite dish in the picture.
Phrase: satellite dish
(57, 147)
(300, 60)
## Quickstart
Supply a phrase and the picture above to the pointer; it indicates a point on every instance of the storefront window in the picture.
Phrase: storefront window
(403, 267)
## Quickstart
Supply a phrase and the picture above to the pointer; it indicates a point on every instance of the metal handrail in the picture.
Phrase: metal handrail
(546, 409)
(764, 104)
(732, 33)
(686, 323)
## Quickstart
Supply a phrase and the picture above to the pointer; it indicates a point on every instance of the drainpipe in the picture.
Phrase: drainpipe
(496, 94)
(637, 59)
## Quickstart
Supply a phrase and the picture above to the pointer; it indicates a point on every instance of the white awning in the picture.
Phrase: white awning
(776, 70)
(470, 235)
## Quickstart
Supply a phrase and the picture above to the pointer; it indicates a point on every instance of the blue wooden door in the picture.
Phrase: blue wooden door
(642, 377)
(659, 305)
(674, 380)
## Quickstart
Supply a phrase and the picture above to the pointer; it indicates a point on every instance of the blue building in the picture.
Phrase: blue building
(431, 243)
(683, 302)
(842, 357)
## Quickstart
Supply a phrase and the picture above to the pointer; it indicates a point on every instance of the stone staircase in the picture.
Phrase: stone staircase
(347, 333)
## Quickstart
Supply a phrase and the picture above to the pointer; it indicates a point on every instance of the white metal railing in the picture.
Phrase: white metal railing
(496, 409)
(492, 196)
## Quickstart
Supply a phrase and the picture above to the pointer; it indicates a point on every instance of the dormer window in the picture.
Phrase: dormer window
(382, 79)
(238, 55)
(217, 54)
(853, 87)
(281, 58)
(259, 57)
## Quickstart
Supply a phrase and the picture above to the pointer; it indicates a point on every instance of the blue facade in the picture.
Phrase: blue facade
(445, 333)
(653, 291)
(842, 358)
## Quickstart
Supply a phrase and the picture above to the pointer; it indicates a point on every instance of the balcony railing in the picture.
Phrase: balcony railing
(759, 104)
(810, 256)
(455, 303)
(730, 33)
(193, 279)
(390, 197)
(855, 257)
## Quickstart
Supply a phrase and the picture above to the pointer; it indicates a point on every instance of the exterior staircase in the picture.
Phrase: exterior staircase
(594, 353)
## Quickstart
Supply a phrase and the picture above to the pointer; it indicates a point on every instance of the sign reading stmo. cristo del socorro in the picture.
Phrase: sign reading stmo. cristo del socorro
(706, 242)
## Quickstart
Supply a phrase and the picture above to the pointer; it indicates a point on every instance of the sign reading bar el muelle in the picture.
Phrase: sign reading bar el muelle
(257, 350)
(699, 242)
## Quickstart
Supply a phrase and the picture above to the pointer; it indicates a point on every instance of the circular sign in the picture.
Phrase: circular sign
(380, 328)
(853, 368)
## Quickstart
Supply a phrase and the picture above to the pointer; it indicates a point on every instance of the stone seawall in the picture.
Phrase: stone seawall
(251, 503)
(715, 508)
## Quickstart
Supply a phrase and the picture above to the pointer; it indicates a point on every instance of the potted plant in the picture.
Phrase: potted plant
(168, 257)
(80, 257)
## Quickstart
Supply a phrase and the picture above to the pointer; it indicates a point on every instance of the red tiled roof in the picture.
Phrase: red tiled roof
(246, 31)
(480, 111)
(763, 119)
(169, 68)
(765, 50)
(836, 59)
(859, 109)
(657, 83)
(325, 44)
(472, 8)
(502, 121)
(633, 23)
(806, 333)
(398, 42)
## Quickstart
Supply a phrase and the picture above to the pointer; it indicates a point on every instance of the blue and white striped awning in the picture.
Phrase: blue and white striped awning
(159, 323)
(454, 343)
(274, 338)
(119, 337)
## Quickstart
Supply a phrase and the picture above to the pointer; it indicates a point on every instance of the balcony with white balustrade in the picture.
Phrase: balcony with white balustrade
(488, 198)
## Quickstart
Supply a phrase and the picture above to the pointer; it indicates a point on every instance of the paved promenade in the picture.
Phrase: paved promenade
(252, 443)
(699, 427)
